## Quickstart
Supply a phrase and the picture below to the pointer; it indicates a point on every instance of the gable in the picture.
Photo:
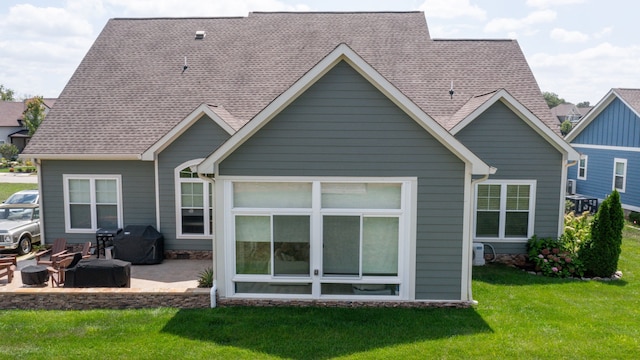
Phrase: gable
(342, 125)
(615, 125)
(343, 53)
(503, 139)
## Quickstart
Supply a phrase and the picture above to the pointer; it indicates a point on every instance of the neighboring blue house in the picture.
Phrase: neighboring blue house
(319, 156)
(608, 140)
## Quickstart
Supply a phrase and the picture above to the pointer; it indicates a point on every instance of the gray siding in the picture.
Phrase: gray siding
(200, 140)
(506, 142)
(138, 193)
(343, 126)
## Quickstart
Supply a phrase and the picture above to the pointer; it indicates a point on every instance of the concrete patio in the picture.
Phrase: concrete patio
(172, 283)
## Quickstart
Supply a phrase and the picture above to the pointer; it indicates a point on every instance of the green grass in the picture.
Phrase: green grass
(519, 316)
(6, 189)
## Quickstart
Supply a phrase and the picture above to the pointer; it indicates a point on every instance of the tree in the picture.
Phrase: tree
(552, 99)
(565, 127)
(600, 254)
(6, 94)
(8, 151)
(34, 114)
(583, 104)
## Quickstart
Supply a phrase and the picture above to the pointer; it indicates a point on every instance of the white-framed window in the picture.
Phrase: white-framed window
(194, 203)
(92, 202)
(619, 174)
(504, 210)
(331, 239)
(582, 167)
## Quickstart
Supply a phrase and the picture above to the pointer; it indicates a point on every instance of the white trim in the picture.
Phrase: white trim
(157, 192)
(503, 198)
(183, 126)
(343, 53)
(177, 180)
(563, 193)
(607, 147)
(467, 257)
(523, 113)
(406, 245)
(624, 176)
(586, 164)
(92, 178)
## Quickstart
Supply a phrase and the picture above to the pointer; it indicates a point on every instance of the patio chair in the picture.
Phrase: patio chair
(56, 272)
(85, 252)
(6, 269)
(56, 251)
(9, 257)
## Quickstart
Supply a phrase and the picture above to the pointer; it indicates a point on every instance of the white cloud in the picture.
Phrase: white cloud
(604, 32)
(448, 9)
(178, 8)
(588, 74)
(511, 24)
(29, 20)
(567, 36)
(550, 3)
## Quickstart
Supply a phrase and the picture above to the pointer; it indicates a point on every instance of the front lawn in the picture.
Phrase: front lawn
(519, 316)
(6, 189)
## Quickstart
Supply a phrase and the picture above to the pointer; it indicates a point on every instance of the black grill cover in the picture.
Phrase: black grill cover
(98, 273)
(139, 245)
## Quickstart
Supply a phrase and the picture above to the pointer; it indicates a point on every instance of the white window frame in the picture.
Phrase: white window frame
(94, 217)
(209, 209)
(583, 167)
(617, 161)
(406, 239)
(503, 212)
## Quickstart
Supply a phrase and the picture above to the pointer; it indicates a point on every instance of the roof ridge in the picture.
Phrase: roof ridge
(333, 12)
(180, 18)
(496, 40)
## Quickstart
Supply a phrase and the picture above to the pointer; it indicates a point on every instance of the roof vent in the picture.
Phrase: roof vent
(200, 34)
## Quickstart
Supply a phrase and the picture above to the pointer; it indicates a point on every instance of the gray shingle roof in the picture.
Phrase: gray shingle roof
(130, 89)
(631, 97)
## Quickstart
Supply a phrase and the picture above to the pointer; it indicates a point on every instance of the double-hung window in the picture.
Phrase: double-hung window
(194, 196)
(582, 167)
(92, 202)
(504, 210)
(619, 174)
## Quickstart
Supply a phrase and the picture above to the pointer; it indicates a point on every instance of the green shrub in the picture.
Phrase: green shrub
(601, 252)
(634, 217)
(206, 278)
(551, 257)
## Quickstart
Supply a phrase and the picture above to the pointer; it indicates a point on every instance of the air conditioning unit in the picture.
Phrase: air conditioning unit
(478, 254)
(571, 187)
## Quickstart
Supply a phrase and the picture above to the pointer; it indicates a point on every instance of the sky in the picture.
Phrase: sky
(578, 49)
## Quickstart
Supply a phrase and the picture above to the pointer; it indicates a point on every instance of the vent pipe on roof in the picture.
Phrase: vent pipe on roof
(451, 90)
(185, 66)
(200, 34)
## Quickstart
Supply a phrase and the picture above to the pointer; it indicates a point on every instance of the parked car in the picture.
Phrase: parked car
(19, 227)
(24, 197)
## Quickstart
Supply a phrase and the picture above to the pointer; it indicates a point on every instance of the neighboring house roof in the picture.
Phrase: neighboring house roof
(132, 90)
(569, 112)
(630, 97)
(10, 113)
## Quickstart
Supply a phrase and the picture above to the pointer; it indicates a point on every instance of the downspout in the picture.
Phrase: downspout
(492, 171)
(214, 287)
